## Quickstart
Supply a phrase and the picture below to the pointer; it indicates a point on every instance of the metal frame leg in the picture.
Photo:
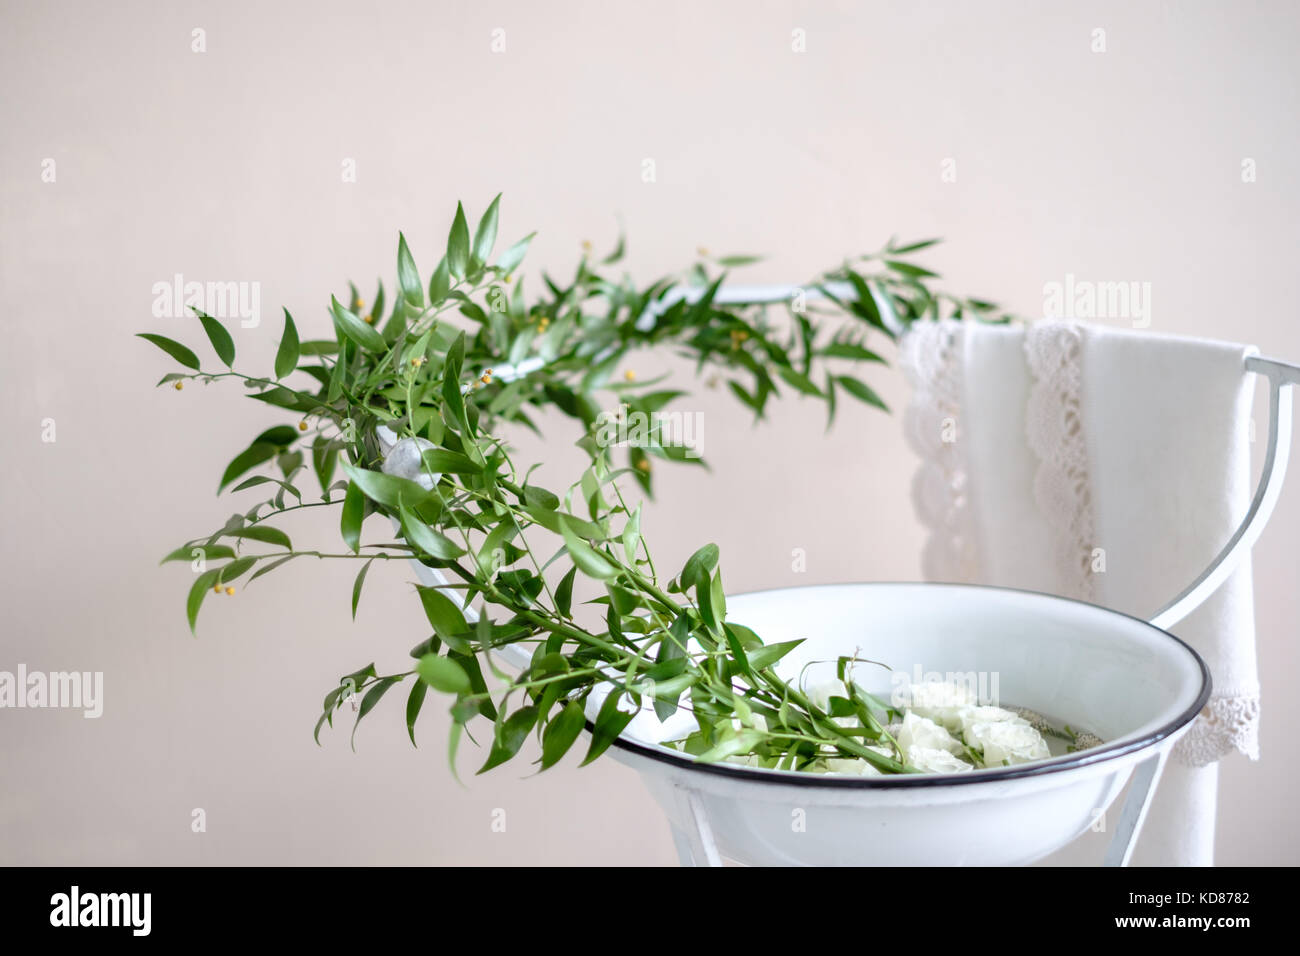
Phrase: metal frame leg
(1141, 790)
(695, 844)
(1282, 377)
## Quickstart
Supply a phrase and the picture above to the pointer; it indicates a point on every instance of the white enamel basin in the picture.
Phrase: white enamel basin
(1135, 686)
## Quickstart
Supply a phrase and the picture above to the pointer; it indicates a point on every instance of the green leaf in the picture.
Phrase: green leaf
(632, 535)
(413, 704)
(279, 435)
(538, 497)
(210, 552)
(354, 510)
(173, 348)
(458, 244)
(451, 394)
(674, 643)
(907, 269)
(732, 745)
(610, 722)
(232, 571)
(769, 654)
(433, 543)
(264, 569)
(564, 593)
(509, 260)
(221, 341)
(377, 307)
(408, 278)
(798, 380)
(453, 744)
(496, 541)
(447, 618)
(250, 457)
(338, 375)
(370, 699)
(914, 246)
(510, 736)
(708, 591)
(561, 733)
(439, 282)
(286, 357)
(485, 236)
(324, 459)
(264, 533)
(198, 591)
(356, 586)
(387, 490)
(619, 250)
(588, 560)
(350, 326)
(847, 350)
(442, 462)
(706, 558)
(442, 673)
(862, 391)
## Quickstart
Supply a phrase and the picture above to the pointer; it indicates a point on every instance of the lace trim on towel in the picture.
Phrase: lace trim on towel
(1056, 436)
(1226, 724)
(931, 357)
(1062, 491)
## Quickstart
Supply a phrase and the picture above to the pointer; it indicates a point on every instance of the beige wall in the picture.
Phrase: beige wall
(226, 166)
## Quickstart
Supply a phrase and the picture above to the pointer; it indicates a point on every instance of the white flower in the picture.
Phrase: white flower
(923, 732)
(820, 694)
(968, 717)
(941, 701)
(1007, 741)
(856, 766)
(851, 767)
(936, 761)
(405, 460)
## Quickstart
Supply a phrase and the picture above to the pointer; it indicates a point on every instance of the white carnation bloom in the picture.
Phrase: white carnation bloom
(941, 701)
(1007, 742)
(851, 767)
(936, 761)
(406, 460)
(820, 693)
(968, 717)
(923, 732)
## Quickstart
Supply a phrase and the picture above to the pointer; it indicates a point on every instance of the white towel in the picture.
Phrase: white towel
(1109, 466)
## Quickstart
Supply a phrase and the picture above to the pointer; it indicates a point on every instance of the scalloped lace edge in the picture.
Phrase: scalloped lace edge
(1227, 724)
(1062, 491)
(931, 358)
(1055, 430)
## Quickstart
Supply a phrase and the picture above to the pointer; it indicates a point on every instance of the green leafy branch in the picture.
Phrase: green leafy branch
(419, 371)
